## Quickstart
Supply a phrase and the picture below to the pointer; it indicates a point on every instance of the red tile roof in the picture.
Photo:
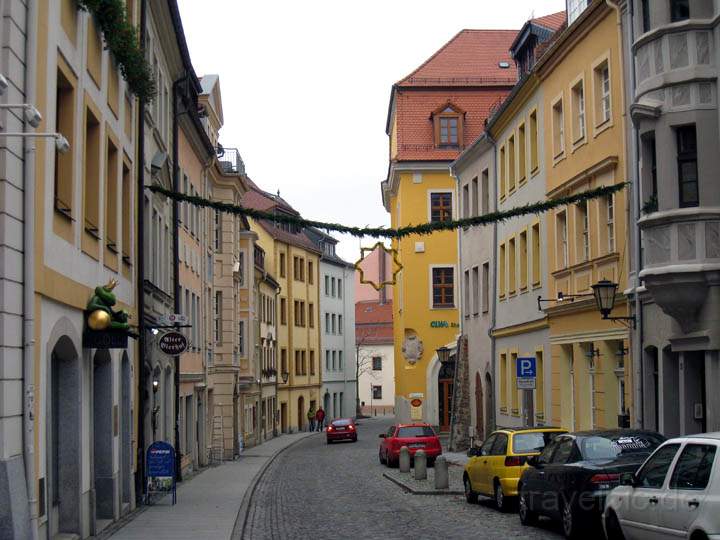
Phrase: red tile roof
(554, 21)
(259, 199)
(415, 133)
(465, 72)
(470, 58)
(373, 323)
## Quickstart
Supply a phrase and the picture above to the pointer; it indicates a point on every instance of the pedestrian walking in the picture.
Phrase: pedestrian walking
(311, 419)
(320, 419)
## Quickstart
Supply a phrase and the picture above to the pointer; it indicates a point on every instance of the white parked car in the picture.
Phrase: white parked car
(674, 494)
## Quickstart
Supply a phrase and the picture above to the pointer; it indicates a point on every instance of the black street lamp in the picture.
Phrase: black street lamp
(443, 354)
(285, 376)
(604, 292)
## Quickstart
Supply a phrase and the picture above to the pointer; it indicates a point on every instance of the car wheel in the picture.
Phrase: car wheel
(501, 501)
(383, 461)
(613, 530)
(570, 522)
(470, 496)
(527, 516)
(355, 439)
(329, 441)
(431, 462)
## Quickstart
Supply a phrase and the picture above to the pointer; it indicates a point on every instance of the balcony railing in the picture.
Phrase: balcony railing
(230, 160)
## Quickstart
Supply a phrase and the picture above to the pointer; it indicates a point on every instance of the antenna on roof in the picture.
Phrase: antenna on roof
(278, 194)
(532, 14)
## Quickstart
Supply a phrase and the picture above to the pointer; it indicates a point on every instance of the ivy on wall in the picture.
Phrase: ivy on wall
(122, 41)
(400, 232)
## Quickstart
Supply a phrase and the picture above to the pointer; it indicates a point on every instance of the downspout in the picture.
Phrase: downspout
(29, 272)
(493, 422)
(140, 481)
(176, 262)
(277, 371)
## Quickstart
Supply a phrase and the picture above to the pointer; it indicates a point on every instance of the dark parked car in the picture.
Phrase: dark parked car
(572, 476)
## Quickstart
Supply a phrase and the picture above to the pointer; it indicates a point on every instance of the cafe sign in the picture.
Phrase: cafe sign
(173, 343)
(443, 324)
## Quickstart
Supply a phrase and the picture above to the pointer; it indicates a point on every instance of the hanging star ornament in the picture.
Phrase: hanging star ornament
(396, 266)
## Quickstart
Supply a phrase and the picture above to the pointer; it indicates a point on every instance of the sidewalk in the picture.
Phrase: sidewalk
(208, 504)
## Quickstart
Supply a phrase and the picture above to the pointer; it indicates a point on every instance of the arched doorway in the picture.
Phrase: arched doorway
(103, 436)
(446, 377)
(63, 434)
(301, 413)
(479, 416)
(490, 418)
(125, 432)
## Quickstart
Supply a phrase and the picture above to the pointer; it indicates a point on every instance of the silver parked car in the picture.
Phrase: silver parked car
(674, 494)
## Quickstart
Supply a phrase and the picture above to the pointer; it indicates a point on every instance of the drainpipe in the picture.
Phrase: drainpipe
(140, 481)
(176, 260)
(493, 423)
(29, 272)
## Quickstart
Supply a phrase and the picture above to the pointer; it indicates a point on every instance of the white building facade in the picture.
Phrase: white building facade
(337, 336)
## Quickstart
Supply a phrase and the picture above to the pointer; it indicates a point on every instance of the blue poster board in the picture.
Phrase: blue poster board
(160, 463)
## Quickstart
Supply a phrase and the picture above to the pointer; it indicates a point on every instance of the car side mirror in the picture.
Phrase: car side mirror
(382, 435)
(473, 452)
(627, 479)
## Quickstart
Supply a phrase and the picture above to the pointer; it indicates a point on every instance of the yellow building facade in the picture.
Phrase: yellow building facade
(581, 81)
(292, 259)
(425, 318)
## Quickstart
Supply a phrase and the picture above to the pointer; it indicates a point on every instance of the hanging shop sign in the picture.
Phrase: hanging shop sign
(104, 327)
(416, 402)
(173, 343)
(161, 470)
(173, 318)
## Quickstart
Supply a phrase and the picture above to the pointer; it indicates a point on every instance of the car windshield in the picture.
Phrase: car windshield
(343, 422)
(416, 431)
(525, 443)
(614, 446)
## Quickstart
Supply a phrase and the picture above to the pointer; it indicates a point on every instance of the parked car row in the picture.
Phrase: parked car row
(634, 483)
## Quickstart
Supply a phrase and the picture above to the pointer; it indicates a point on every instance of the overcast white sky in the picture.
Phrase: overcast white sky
(305, 87)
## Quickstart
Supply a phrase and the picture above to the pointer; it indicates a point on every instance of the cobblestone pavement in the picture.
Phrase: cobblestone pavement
(315, 490)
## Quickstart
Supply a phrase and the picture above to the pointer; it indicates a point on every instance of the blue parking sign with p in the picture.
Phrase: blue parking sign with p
(526, 367)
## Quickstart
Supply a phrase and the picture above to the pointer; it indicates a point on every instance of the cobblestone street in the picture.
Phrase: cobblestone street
(315, 490)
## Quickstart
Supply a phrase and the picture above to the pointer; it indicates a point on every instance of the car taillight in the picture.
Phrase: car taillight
(330, 428)
(351, 428)
(514, 461)
(605, 480)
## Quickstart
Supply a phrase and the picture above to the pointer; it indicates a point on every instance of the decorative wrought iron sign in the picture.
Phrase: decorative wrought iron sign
(173, 343)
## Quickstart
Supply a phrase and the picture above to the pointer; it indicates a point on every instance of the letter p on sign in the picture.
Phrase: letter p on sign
(526, 366)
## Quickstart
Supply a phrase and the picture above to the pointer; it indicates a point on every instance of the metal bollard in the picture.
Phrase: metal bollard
(404, 459)
(420, 465)
(442, 481)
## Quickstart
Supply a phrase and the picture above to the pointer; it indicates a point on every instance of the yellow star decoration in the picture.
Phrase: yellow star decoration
(396, 264)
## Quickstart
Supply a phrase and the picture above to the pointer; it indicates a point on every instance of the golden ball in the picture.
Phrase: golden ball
(99, 320)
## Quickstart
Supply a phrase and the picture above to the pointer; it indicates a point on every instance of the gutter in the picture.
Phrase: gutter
(140, 480)
(29, 272)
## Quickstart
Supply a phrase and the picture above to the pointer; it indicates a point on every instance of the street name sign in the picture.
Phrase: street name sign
(173, 343)
(526, 372)
(173, 318)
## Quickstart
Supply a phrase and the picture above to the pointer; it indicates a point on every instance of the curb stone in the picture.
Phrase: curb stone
(410, 489)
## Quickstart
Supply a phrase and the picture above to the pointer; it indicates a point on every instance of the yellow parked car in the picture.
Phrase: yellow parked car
(495, 467)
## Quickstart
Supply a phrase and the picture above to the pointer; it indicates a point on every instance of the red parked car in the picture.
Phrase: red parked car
(415, 437)
(341, 429)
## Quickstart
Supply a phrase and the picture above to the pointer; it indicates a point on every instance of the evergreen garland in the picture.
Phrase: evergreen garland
(122, 40)
(382, 232)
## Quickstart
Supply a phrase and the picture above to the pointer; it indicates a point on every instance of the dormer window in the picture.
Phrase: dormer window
(448, 122)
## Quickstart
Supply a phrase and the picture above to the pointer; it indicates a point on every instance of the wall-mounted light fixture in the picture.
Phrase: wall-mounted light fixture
(604, 292)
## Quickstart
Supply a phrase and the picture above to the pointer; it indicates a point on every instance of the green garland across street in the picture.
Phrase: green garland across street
(401, 232)
(122, 40)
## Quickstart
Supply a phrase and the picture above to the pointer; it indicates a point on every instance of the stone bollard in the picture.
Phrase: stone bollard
(404, 459)
(420, 465)
(442, 481)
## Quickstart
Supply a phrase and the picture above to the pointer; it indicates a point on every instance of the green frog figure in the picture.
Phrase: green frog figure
(100, 315)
